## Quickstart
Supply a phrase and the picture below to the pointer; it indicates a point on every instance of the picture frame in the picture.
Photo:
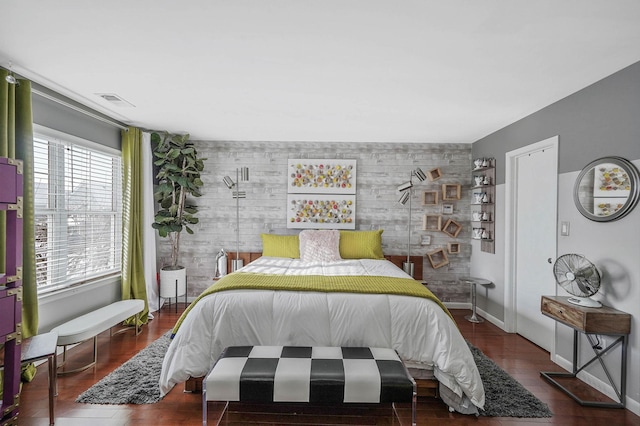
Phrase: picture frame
(321, 211)
(321, 176)
(606, 206)
(611, 180)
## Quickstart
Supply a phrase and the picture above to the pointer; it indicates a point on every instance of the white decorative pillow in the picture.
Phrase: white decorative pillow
(320, 246)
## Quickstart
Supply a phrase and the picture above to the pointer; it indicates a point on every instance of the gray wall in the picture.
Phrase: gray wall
(600, 120)
(53, 115)
(380, 169)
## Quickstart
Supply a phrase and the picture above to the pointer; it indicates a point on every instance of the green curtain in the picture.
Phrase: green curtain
(133, 281)
(16, 141)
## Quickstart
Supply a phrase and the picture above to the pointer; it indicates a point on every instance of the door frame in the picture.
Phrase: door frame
(511, 181)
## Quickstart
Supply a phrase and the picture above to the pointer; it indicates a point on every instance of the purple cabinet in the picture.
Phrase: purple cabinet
(11, 286)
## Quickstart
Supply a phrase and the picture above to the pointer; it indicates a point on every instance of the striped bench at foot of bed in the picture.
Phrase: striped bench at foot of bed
(304, 374)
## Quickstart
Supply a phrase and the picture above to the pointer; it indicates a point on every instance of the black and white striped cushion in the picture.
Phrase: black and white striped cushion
(309, 374)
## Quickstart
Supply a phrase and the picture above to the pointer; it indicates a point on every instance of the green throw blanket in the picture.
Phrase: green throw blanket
(317, 283)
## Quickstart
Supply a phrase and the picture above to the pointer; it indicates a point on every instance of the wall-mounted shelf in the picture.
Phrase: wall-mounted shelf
(451, 191)
(451, 228)
(483, 198)
(434, 174)
(432, 222)
(430, 198)
(453, 248)
(438, 258)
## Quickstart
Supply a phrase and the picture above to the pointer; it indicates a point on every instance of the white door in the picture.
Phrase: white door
(534, 190)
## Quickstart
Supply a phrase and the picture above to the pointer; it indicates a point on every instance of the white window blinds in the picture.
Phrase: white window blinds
(78, 213)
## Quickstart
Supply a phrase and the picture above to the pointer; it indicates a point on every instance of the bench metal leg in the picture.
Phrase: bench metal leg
(138, 327)
(76, 370)
(53, 387)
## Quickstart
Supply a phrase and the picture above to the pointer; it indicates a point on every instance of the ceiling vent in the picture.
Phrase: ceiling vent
(115, 99)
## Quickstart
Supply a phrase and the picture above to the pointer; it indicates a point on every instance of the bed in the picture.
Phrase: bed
(296, 301)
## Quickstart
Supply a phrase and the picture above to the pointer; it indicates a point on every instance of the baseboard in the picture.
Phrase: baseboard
(493, 320)
(457, 305)
(596, 383)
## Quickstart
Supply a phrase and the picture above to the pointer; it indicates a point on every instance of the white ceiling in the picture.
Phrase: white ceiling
(320, 70)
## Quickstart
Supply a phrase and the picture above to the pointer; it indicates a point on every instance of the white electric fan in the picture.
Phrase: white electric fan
(578, 276)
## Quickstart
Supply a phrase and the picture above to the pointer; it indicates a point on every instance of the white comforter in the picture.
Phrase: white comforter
(422, 333)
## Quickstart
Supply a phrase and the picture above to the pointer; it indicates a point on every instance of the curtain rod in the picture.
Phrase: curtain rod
(78, 109)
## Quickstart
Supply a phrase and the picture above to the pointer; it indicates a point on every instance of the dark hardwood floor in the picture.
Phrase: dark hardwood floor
(519, 357)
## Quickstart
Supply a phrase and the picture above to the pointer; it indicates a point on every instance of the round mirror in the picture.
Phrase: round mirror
(607, 189)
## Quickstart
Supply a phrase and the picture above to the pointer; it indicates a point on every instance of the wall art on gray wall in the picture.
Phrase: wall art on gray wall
(321, 193)
(321, 211)
(321, 176)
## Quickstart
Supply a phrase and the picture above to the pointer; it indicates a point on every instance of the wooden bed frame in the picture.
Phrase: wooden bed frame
(250, 256)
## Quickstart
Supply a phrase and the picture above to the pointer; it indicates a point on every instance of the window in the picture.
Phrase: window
(78, 211)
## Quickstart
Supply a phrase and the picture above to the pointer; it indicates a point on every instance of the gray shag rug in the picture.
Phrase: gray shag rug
(504, 396)
(136, 382)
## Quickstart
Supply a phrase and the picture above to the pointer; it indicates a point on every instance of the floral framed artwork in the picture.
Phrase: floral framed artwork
(611, 180)
(321, 176)
(321, 211)
(606, 206)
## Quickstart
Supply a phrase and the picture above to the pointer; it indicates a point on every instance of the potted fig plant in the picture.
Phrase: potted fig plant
(178, 178)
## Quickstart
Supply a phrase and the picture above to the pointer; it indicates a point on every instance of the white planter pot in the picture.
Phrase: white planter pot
(168, 278)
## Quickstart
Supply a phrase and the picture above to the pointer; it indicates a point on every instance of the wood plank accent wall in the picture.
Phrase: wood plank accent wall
(381, 168)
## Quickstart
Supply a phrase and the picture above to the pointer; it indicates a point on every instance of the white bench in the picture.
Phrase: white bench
(314, 375)
(91, 324)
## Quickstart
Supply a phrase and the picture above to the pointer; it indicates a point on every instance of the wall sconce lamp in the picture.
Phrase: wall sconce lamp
(242, 174)
(407, 193)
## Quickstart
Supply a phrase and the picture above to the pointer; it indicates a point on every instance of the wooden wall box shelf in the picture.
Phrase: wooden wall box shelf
(431, 222)
(438, 258)
(589, 321)
(451, 191)
(434, 174)
(452, 228)
(430, 198)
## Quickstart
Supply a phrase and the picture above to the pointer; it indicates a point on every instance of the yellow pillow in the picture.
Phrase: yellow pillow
(361, 244)
(280, 245)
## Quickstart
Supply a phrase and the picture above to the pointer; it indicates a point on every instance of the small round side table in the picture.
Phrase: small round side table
(474, 281)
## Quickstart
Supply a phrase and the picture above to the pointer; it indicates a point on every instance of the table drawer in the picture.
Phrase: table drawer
(604, 320)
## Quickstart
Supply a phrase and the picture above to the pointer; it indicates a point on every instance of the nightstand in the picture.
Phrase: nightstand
(590, 321)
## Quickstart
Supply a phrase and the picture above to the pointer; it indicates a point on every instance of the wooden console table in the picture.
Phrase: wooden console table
(590, 321)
